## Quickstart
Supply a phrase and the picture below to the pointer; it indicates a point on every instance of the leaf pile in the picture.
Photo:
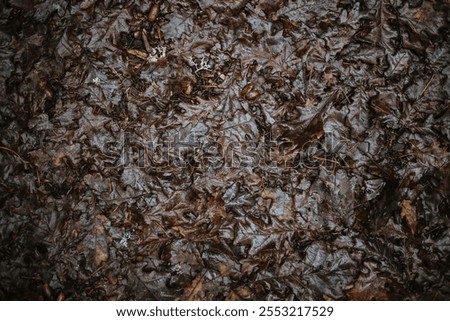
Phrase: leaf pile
(224, 150)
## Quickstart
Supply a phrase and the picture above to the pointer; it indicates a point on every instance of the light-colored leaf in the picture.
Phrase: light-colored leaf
(138, 53)
(86, 4)
(409, 213)
(101, 250)
(59, 158)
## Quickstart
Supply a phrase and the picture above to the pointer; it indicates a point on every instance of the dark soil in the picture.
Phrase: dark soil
(224, 150)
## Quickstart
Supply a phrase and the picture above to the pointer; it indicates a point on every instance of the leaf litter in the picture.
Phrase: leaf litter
(213, 150)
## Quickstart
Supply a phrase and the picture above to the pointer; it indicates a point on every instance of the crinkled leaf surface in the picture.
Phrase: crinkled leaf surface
(212, 150)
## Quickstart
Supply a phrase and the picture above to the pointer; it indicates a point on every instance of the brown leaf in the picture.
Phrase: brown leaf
(233, 296)
(194, 291)
(366, 292)
(239, 294)
(58, 159)
(368, 286)
(101, 250)
(101, 254)
(409, 213)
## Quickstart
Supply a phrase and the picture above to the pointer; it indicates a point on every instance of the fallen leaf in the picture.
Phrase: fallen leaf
(101, 250)
(368, 286)
(233, 296)
(101, 254)
(86, 4)
(409, 213)
(58, 159)
(367, 292)
(195, 289)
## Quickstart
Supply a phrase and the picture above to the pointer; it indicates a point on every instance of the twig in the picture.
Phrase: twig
(326, 159)
(13, 152)
(426, 86)
(193, 291)
(345, 95)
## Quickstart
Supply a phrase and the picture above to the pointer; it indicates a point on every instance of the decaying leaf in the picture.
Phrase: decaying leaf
(369, 285)
(85, 4)
(101, 251)
(211, 150)
(239, 294)
(58, 159)
(408, 212)
(193, 291)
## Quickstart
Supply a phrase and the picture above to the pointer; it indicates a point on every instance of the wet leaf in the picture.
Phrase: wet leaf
(193, 292)
(408, 212)
(369, 286)
(85, 4)
(212, 150)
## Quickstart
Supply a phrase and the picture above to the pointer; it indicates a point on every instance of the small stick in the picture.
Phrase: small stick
(426, 86)
(13, 152)
(326, 159)
(346, 97)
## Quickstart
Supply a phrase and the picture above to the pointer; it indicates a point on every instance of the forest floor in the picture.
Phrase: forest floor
(224, 150)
